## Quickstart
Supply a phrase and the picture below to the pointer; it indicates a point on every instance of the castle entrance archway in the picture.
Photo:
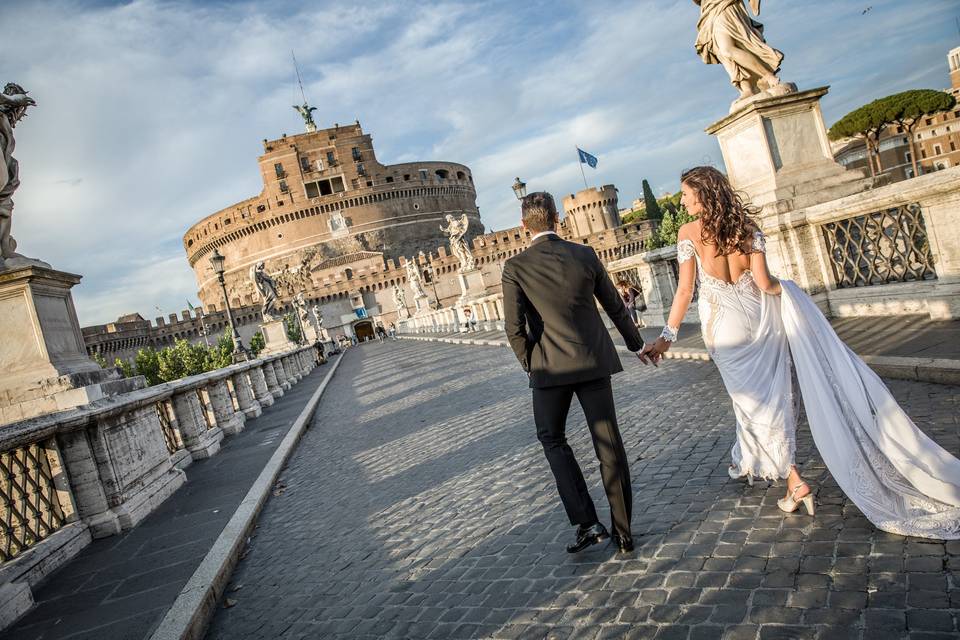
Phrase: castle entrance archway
(364, 330)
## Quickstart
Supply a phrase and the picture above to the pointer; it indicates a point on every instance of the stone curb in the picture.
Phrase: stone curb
(936, 370)
(190, 614)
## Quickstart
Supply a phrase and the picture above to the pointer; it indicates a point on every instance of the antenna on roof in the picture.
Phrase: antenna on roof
(305, 110)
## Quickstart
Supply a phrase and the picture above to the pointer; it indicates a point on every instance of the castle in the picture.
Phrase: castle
(334, 223)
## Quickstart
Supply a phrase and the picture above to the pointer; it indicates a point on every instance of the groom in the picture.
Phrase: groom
(556, 332)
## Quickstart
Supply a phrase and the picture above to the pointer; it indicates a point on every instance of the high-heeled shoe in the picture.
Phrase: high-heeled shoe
(790, 503)
(734, 473)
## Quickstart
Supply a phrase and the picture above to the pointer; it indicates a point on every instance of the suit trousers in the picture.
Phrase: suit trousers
(550, 408)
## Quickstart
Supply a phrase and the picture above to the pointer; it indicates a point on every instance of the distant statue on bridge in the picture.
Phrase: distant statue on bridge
(267, 289)
(400, 301)
(456, 230)
(727, 35)
(13, 107)
(413, 277)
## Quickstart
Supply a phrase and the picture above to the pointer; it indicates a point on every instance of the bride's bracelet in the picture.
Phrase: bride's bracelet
(669, 333)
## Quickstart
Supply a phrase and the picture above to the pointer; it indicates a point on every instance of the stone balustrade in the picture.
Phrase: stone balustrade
(893, 250)
(486, 313)
(99, 469)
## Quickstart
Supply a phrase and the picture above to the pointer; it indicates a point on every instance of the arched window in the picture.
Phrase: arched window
(443, 174)
(348, 273)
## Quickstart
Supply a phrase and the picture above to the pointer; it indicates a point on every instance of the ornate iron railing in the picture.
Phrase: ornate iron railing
(880, 248)
(29, 504)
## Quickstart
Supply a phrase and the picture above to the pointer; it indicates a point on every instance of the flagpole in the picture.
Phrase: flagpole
(580, 162)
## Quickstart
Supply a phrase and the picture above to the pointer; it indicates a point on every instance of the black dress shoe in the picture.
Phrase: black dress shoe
(588, 536)
(624, 543)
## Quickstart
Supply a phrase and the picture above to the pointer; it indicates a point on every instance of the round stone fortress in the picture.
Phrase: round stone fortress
(326, 198)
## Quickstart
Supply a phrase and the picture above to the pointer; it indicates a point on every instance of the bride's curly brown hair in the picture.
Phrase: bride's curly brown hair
(726, 220)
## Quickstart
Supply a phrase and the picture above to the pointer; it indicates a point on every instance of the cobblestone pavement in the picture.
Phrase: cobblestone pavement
(419, 505)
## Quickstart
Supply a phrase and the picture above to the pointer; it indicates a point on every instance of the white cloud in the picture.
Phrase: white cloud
(151, 113)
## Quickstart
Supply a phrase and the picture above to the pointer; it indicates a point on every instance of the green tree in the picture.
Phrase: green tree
(867, 122)
(147, 362)
(653, 210)
(125, 368)
(257, 343)
(666, 233)
(221, 354)
(913, 106)
(293, 327)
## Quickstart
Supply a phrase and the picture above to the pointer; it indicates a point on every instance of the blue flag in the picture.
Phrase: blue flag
(586, 158)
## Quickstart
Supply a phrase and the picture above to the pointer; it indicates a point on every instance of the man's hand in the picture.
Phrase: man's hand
(653, 353)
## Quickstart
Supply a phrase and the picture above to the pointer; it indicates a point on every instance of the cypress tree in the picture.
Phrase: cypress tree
(650, 203)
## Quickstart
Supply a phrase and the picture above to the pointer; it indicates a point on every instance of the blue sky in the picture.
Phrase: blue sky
(151, 113)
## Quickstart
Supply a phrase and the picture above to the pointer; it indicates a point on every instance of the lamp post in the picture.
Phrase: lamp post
(520, 188)
(239, 352)
(433, 276)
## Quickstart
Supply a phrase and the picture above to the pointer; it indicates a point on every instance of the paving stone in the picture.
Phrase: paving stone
(422, 473)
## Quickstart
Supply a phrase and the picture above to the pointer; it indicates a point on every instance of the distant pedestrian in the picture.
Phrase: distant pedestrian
(381, 333)
(392, 331)
(633, 300)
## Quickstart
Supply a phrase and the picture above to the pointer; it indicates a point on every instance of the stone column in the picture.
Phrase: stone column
(261, 390)
(292, 367)
(273, 385)
(199, 438)
(284, 378)
(230, 420)
(245, 395)
(941, 217)
(85, 485)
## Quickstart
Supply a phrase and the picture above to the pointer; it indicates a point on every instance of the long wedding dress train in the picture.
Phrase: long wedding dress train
(900, 479)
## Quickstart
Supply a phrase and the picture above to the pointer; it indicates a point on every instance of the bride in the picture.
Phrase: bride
(760, 331)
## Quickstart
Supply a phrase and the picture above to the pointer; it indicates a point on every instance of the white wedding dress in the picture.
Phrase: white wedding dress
(900, 479)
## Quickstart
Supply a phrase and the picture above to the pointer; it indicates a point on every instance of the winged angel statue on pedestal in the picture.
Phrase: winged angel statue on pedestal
(456, 230)
(727, 35)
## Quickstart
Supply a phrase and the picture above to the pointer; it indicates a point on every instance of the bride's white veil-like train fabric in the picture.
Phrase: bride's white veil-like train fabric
(900, 479)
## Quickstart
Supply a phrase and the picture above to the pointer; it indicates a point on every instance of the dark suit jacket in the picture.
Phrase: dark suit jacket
(551, 317)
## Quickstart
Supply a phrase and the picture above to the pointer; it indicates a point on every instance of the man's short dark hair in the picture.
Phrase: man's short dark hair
(539, 212)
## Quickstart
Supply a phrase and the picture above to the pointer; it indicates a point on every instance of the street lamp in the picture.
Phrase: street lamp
(520, 188)
(239, 352)
(433, 275)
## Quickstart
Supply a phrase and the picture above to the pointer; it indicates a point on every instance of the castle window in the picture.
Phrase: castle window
(389, 178)
(189, 243)
(953, 146)
(305, 163)
(357, 157)
(442, 173)
(937, 149)
(348, 273)
(423, 174)
(360, 169)
(278, 169)
(406, 176)
(460, 175)
(369, 183)
(261, 208)
(283, 186)
(226, 222)
(331, 158)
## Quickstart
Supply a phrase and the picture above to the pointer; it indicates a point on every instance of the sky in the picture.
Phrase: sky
(151, 113)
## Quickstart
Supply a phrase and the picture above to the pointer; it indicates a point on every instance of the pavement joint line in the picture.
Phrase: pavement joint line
(191, 612)
(936, 370)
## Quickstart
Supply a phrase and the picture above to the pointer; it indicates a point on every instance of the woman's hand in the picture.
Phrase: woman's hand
(653, 353)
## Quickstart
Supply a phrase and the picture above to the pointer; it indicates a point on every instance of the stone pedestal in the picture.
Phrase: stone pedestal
(471, 286)
(423, 305)
(776, 150)
(275, 338)
(42, 355)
